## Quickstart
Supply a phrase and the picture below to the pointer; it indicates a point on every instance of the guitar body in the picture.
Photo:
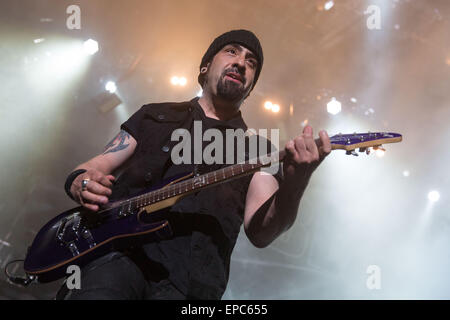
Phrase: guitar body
(78, 236)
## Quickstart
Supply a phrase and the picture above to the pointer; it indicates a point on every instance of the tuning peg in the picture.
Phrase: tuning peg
(351, 152)
(365, 149)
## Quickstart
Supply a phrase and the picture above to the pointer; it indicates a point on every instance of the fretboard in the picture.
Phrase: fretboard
(199, 182)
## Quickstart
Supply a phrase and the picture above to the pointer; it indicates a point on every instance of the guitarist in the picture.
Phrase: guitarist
(194, 263)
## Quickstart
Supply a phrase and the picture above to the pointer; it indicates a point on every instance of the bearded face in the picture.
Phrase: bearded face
(231, 73)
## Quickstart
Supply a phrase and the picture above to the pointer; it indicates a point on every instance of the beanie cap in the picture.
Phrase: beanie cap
(243, 37)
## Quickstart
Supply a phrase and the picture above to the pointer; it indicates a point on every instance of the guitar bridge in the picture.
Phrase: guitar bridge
(69, 231)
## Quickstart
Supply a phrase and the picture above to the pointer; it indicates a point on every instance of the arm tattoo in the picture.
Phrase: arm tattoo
(117, 143)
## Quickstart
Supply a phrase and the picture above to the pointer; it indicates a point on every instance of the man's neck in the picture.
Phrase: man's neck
(218, 109)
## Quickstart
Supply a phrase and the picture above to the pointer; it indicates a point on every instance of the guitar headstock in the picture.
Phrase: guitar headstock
(363, 141)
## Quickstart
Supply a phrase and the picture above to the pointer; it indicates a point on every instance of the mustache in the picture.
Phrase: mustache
(235, 71)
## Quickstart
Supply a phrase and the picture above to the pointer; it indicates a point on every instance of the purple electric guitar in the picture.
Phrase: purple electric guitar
(78, 236)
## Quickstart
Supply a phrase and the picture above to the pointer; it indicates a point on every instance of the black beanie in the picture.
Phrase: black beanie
(243, 37)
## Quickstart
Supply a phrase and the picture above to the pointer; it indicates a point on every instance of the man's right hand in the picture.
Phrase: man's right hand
(97, 191)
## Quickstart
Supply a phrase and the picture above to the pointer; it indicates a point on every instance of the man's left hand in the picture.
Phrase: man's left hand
(303, 156)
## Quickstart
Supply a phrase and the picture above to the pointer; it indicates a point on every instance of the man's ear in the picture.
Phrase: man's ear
(205, 68)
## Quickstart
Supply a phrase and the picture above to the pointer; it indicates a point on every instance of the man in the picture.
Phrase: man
(194, 263)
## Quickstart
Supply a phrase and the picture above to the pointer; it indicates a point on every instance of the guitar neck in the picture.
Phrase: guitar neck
(184, 187)
(198, 182)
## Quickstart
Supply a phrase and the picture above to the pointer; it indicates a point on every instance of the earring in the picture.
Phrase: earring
(203, 70)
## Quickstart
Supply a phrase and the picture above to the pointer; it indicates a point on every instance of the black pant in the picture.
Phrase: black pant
(117, 277)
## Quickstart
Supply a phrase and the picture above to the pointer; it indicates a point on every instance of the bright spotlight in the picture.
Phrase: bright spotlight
(90, 46)
(405, 173)
(334, 106)
(182, 81)
(433, 196)
(110, 87)
(178, 81)
(174, 81)
(328, 5)
(268, 105)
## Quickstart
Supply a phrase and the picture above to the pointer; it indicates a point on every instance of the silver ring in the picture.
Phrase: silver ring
(84, 183)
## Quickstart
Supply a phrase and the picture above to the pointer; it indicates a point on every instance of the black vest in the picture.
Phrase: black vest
(207, 223)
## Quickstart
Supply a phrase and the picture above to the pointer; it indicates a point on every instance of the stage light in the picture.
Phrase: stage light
(268, 105)
(110, 87)
(56, 61)
(405, 173)
(38, 40)
(334, 106)
(353, 100)
(433, 196)
(90, 47)
(379, 153)
(328, 5)
(178, 81)
(182, 81)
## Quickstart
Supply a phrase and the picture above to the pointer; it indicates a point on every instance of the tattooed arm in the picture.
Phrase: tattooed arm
(99, 170)
(119, 142)
(115, 153)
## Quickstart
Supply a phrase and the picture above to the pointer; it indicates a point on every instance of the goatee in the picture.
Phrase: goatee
(230, 90)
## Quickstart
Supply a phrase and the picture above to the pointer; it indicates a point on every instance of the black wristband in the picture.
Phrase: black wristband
(70, 179)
